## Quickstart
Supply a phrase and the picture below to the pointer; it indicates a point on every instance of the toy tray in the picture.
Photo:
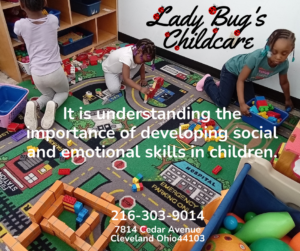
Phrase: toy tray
(76, 45)
(247, 195)
(258, 121)
(13, 100)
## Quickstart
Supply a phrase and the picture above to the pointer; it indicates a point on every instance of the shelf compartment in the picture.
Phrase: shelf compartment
(104, 10)
(8, 5)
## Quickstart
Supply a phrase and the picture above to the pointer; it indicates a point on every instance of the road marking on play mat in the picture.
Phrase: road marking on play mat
(73, 180)
(153, 201)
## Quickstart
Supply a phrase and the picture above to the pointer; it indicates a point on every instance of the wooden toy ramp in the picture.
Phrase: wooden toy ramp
(31, 204)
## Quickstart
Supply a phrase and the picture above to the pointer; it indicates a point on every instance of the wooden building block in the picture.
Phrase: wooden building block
(46, 227)
(111, 208)
(83, 231)
(48, 198)
(9, 240)
(93, 220)
(57, 188)
(109, 231)
(18, 247)
(56, 211)
(68, 190)
(101, 205)
(90, 199)
(80, 245)
(80, 194)
(109, 198)
(36, 212)
(70, 234)
(59, 201)
(93, 249)
(29, 235)
(118, 220)
(101, 243)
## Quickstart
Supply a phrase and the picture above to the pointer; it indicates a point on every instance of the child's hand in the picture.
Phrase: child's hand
(289, 103)
(245, 110)
(143, 82)
(145, 90)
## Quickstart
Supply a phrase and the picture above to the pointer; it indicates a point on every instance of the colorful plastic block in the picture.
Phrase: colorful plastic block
(263, 108)
(138, 188)
(13, 127)
(135, 180)
(271, 107)
(141, 186)
(216, 170)
(21, 126)
(210, 148)
(140, 177)
(84, 213)
(192, 127)
(64, 171)
(134, 188)
(217, 128)
(222, 156)
(253, 109)
(69, 199)
(272, 119)
(273, 114)
(70, 143)
(260, 103)
(19, 135)
(78, 206)
(260, 98)
(79, 220)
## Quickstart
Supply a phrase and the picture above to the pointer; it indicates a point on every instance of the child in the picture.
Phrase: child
(39, 32)
(124, 63)
(237, 73)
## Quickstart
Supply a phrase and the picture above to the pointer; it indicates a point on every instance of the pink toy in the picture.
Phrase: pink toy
(293, 145)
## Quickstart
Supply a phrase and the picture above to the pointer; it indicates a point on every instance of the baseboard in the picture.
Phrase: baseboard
(259, 89)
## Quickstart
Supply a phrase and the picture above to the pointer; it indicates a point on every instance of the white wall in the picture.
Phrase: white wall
(133, 15)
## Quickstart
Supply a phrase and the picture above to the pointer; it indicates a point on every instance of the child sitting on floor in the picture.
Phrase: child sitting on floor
(124, 63)
(237, 73)
(39, 32)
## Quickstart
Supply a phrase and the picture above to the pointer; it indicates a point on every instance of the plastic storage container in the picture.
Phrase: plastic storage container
(11, 26)
(13, 100)
(76, 45)
(257, 121)
(248, 195)
(86, 7)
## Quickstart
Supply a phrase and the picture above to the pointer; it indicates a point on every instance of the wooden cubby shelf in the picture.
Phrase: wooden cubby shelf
(104, 26)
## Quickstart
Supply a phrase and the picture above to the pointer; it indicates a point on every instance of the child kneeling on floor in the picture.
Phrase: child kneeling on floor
(39, 32)
(124, 63)
(237, 72)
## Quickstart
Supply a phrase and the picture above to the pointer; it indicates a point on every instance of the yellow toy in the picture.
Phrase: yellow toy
(222, 156)
(70, 143)
(197, 127)
(225, 242)
(210, 148)
(185, 127)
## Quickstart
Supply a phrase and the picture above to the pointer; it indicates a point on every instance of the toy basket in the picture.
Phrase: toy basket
(13, 100)
(257, 188)
(25, 67)
(257, 121)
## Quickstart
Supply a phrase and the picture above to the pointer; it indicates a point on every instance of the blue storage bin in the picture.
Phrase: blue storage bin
(10, 96)
(76, 45)
(87, 9)
(257, 121)
(11, 26)
(246, 195)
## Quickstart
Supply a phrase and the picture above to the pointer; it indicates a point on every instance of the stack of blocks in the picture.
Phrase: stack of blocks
(137, 185)
(44, 216)
(265, 110)
(69, 203)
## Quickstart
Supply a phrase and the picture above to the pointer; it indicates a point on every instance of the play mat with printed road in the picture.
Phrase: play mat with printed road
(170, 184)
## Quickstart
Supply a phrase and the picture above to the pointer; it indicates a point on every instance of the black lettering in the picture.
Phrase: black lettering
(247, 42)
(261, 22)
(221, 15)
(178, 31)
(152, 23)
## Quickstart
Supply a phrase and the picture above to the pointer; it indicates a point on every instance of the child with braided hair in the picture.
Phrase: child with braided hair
(124, 63)
(237, 73)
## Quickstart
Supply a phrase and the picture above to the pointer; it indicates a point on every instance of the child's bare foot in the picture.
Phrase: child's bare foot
(30, 119)
(49, 116)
